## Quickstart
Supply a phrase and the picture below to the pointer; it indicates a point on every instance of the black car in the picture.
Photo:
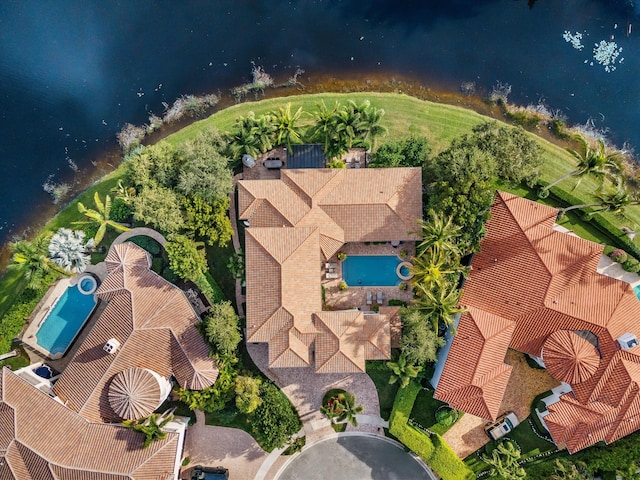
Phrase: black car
(210, 473)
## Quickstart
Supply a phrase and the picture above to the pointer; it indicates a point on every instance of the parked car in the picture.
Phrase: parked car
(503, 425)
(210, 473)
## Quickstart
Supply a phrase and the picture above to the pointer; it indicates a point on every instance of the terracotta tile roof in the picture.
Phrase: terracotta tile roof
(156, 327)
(51, 441)
(134, 393)
(475, 376)
(295, 223)
(569, 357)
(545, 282)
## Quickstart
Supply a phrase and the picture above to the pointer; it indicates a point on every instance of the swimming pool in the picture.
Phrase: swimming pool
(371, 270)
(64, 321)
(636, 289)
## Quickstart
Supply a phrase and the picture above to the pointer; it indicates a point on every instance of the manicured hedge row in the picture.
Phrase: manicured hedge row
(618, 238)
(13, 321)
(432, 449)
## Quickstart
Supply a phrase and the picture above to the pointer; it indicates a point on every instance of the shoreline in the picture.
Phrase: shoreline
(110, 159)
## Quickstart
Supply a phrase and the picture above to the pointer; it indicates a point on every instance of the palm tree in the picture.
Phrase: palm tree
(440, 303)
(342, 407)
(243, 138)
(287, 133)
(325, 123)
(596, 163)
(615, 202)
(403, 371)
(68, 249)
(431, 268)
(264, 132)
(504, 462)
(126, 194)
(371, 127)
(439, 234)
(151, 427)
(100, 215)
(31, 259)
(348, 124)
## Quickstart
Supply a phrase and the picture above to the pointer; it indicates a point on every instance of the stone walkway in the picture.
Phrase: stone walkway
(134, 232)
(231, 448)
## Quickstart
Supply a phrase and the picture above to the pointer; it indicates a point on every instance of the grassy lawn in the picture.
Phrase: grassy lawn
(380, 374)
(11, 285)
(15, 363)
(424, 412)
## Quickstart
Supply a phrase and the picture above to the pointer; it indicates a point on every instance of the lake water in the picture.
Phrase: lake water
(73, 72)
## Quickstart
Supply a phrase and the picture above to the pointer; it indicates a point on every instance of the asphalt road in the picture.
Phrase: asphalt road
(355, 457)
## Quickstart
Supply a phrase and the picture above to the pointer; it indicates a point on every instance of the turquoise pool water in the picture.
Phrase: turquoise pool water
(636, 289)
(65, 320)
(371, 270)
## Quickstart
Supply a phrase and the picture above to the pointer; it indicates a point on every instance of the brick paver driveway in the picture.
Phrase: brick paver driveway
(356, 456)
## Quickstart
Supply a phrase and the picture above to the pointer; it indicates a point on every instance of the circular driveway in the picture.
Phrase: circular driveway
(355, 457)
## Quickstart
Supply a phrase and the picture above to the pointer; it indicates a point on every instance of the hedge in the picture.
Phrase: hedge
(432, 449)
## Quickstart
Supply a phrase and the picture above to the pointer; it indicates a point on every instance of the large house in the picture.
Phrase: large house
(145, 337)
(295, 224)
(535, 289)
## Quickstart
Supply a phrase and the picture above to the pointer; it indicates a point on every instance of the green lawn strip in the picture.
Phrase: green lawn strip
(218, 259)
(530, 444)
(431, 448)
(379, 373)
(424, 412)
(15, 363)
(12, 284)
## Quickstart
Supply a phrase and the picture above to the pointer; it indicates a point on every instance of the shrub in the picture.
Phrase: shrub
(247, 390)
(608, 249)
(446, 463)
(156, 265)
(403, 286)
(120, 211)
(184, 257)
(275, 420)
(221, 327)
(446, 416)
(342, 256)
(148, 243)
(343, 286)
(397, 303)
(168, 275)
(296, 446)
(631, 265)
(619, 256)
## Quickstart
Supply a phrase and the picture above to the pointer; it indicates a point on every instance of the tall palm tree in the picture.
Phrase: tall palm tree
(324, 125)
(434, 268)
(264, 131)
(68, 249)
(342, 407)
(348, 124)
(615, 202)
(403, 371)
(504, 462)
(101, 216)
(371, 127)
(243, 138)
(286, 130)
(31, 259)
(595, 163)
(568, 470)
(440, 303)
(439, 234)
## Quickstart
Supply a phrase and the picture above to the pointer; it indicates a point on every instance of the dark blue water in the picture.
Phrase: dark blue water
(72, 72)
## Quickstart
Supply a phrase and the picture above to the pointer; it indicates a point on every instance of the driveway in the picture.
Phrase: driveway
(355, 456)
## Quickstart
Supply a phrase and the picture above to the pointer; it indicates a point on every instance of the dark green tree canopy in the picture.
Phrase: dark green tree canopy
(412, 151)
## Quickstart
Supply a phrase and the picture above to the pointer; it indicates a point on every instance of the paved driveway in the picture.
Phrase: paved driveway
(355, 456)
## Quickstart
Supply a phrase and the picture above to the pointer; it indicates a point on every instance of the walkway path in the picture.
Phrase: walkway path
(231, 448)
(134, 232)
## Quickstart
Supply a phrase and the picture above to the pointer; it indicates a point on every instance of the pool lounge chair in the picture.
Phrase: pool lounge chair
(369, 298)
(331, 275)
(380, 298)
(329, 266)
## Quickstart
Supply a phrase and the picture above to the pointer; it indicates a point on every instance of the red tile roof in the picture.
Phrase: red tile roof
(298, 221)
(545, 283)
(156, 327)
(41, 439)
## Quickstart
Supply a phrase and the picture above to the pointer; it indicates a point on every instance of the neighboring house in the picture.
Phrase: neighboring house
(535, 289)
(295, 224)
(146, 336)
(41, 439)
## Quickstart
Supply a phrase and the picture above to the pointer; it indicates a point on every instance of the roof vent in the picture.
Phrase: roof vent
(627, 341)
(111, 346)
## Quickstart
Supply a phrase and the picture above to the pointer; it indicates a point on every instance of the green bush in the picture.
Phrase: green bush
(446, 463)
(156, 265)
(631, 265)
(120, 211)
(148, 243)
(397, 303)
(619, 256)
(608, 249)
(275, 420)
(342, 286)
(446, 416)
(168, 275)
(296, 446)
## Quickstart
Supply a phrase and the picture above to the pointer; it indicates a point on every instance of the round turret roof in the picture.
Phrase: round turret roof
(569, 357)
(135, 393)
